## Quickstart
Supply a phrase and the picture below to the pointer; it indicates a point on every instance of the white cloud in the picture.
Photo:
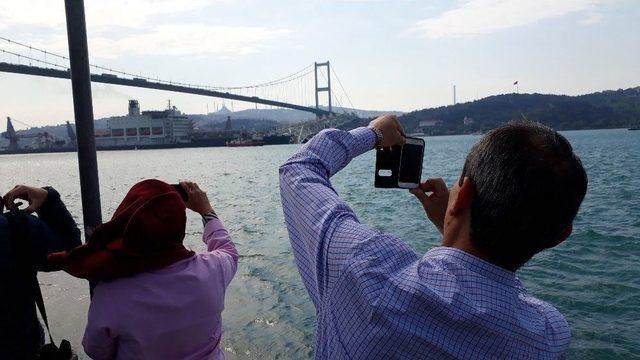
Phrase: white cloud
(592, 19)
(99, 13)
(36, 12)
(122, 27)
(189, 39)
(473, 17)
(137, 13)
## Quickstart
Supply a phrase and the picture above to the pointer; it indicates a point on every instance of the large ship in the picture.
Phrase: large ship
(147, 129)
(156, 129)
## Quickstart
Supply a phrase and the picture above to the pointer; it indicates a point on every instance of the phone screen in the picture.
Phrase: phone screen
(411, 163)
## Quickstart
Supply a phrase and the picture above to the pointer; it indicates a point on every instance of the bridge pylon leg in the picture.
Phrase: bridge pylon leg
(326, 88)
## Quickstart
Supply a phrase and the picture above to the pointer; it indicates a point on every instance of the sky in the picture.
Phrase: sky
(388, 55)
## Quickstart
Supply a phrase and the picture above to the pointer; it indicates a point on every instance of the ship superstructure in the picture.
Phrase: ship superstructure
(146, 128)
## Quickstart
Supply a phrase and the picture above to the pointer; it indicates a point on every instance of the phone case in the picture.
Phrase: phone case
(387, 159)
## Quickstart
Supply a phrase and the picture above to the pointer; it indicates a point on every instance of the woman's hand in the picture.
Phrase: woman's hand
(197, 199)
(35, 196)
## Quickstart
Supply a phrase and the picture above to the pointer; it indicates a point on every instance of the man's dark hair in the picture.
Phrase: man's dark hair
(528, 185)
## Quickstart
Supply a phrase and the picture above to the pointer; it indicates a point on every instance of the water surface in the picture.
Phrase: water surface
(593, 278)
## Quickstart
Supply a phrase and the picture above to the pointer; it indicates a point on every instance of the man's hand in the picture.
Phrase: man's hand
(197, 200)
(435, 204)
(392, 133)
(35, 196)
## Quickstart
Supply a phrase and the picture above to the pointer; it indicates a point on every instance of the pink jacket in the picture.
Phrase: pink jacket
(171, 313)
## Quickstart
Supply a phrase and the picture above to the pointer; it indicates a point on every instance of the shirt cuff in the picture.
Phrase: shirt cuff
(208, 217)
(364, 140)
(49, 205)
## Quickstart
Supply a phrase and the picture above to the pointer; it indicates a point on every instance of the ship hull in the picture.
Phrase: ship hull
(195, 143)
(277, 139)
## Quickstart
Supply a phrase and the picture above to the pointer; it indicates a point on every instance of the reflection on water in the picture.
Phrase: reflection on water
(593, 278)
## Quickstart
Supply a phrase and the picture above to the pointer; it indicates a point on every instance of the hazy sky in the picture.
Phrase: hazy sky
(389, 55)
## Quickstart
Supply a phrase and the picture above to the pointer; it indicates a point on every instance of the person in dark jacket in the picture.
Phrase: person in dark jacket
(52, 230)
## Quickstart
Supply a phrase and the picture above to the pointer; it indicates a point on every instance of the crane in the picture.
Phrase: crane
(73, 140)
(11, 135)
(43, 138)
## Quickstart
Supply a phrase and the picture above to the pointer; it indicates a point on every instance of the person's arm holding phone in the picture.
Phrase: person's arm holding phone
(53, 230)
(215, 235)
(323, 229)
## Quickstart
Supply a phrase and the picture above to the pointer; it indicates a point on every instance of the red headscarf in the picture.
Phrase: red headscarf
(144, 234)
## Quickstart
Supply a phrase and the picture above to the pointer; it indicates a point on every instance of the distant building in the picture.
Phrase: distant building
(224, 110)
(429, 123)
(468, 120)
(227, 125)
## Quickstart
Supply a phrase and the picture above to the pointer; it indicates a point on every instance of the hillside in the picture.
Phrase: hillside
(606, 109)
(279, 115)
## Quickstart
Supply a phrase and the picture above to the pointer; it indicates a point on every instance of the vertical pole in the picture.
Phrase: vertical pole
(316, 73)
(83, 111)
(329, 84)
(454, 94)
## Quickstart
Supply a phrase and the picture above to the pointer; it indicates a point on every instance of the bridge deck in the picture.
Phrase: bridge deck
(142, 83)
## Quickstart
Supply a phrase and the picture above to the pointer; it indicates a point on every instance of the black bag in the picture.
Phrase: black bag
(50, 351)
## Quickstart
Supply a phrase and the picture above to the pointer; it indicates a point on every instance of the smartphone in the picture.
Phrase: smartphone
(181, 191)
(410, 169)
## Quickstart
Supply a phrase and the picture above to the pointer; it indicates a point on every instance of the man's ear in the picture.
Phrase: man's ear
(463, 198)
(563, 237)
(567, 232)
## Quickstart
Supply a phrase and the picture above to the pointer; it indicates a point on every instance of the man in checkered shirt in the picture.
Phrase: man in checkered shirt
(519, 191)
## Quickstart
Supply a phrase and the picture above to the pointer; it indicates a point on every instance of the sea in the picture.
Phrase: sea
(593, 278)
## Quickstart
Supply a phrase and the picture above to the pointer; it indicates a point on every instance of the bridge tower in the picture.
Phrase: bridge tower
(326, 88)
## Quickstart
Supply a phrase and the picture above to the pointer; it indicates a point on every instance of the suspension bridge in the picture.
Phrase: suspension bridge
(301, 90)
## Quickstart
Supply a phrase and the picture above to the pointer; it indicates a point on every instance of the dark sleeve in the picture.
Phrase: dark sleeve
(53, 230)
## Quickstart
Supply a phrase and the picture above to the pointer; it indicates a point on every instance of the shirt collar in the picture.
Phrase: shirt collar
(473, 263)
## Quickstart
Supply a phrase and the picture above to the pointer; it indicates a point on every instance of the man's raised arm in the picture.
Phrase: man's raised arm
(321, 225)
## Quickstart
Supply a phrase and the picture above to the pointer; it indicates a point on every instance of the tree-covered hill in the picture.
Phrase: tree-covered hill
(607, 109)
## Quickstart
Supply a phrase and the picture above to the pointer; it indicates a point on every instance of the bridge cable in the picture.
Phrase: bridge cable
(337, 98)
(289, 77)
(342, 87)
(300, 74)
(34, 59)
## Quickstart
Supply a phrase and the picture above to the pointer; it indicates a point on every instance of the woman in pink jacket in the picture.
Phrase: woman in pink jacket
(154, 299)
